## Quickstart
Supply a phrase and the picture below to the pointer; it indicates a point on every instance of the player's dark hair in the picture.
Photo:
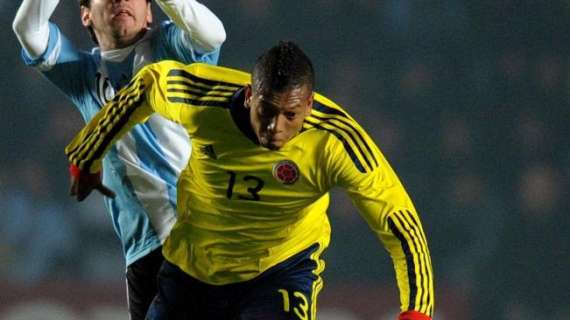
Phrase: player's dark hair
(282, 67)
(87, 3)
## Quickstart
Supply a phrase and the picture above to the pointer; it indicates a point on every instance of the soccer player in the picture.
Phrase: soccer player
(252, 221)
(144, 165)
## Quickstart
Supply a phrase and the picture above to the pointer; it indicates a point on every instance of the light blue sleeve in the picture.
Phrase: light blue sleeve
(69, 69)
(59, 50)
(170, 44)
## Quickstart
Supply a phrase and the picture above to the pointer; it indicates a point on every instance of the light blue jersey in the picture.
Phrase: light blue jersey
(143, 167)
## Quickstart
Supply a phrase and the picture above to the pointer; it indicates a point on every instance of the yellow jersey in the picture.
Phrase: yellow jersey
(243, 208)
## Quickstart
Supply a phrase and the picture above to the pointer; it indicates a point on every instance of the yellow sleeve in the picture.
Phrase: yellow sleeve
(355, 163)
(131, 105)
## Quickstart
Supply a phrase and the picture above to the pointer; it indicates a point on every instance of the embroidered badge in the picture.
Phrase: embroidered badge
(286, 172)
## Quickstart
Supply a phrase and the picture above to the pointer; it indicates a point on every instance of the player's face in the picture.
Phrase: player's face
(276, 117)
(119, 22)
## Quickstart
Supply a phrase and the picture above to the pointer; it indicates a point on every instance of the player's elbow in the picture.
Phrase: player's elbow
(214, 41)
(219, 38)
(23, 28)
(18, 26)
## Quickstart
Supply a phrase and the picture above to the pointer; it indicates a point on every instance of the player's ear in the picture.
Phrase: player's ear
(248, 95)
(148, 14)
(85, 16)
(310, 103)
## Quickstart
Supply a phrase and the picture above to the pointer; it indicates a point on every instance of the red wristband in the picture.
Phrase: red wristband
(413, 315)
(74, 171)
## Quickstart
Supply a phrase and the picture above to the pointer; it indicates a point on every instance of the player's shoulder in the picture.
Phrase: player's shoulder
(201, 72)
(163, 28)
(324, 106)
(321, 127)
(327, 116)
(341, 134)
(220, 74)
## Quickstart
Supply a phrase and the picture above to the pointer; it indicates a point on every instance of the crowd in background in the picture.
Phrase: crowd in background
(468, 100)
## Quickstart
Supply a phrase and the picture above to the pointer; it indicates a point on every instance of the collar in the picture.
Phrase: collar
(118, 55)
(240, 115)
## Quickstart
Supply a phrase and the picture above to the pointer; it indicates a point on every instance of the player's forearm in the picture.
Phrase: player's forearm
(200, 25)
(407, 244)
(117, 117)
(401, 232)
(390, 212)
(31, 25)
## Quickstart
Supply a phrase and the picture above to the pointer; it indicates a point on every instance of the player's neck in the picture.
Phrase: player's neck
(110, 42)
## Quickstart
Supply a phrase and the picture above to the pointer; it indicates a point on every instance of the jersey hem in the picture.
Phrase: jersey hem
(142, 253)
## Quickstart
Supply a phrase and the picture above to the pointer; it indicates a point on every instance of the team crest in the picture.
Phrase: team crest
(286, 172)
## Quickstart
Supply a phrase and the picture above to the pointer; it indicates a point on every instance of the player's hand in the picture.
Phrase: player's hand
(83, 183)
(413, 315)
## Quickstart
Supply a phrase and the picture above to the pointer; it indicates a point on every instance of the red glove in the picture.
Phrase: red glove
(413, 315)
(83, 183)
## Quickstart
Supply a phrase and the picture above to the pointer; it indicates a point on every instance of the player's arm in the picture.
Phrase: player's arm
(31, 25)
(202, 29)
(131, 105)
(355, 163)
(48, 50)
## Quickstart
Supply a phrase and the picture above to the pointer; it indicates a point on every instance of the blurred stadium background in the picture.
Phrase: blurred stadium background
(469, 100)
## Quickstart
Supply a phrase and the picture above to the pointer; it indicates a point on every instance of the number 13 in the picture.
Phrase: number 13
(302, 311)
(253, 191)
